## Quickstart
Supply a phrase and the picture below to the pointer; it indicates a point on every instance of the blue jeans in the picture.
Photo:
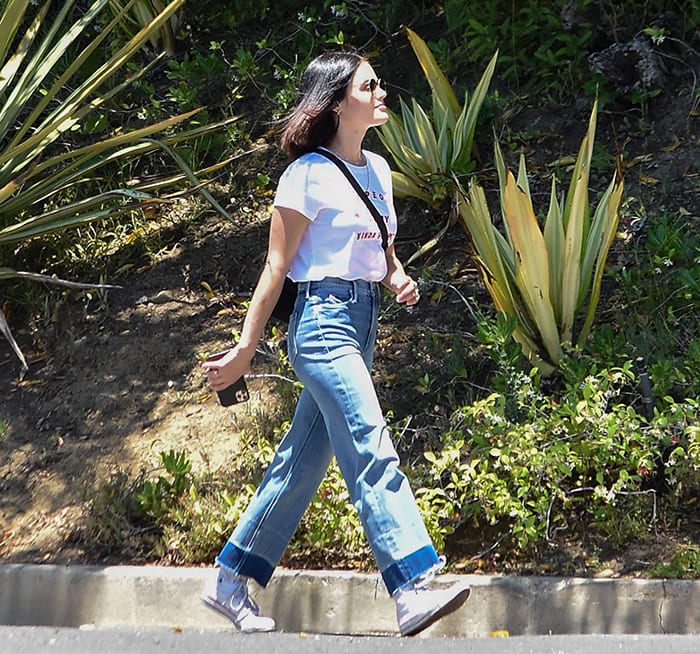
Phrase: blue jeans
(331, 342)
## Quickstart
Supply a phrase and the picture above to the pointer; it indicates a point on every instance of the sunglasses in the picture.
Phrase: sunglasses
(374, 83)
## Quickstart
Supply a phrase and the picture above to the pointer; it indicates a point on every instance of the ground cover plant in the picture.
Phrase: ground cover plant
(112, 448)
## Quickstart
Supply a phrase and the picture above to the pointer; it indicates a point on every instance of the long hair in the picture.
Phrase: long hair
(323, 85)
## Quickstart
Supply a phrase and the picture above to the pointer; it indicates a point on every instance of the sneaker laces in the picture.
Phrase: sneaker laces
(241, 600)
(429, 574)
(425, 578)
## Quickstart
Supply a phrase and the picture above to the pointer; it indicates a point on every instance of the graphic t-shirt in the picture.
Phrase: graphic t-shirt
(342, 239)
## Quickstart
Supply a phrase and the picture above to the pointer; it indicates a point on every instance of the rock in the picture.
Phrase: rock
(632, 66)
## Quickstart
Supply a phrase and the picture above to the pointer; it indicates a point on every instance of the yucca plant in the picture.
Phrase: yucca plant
(140, 13)
(46, 94)
(548, 279)
(432, 152)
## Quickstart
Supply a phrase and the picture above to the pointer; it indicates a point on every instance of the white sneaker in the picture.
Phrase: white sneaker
(228, 594)
(417, 607)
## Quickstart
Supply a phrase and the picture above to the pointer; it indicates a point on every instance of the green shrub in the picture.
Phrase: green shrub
(536, 54)
(548, 277)
(544, 46)
(196, 529)
(530, 463)
(159, 497)
(684, 564)
(655, 307)
(115, 522)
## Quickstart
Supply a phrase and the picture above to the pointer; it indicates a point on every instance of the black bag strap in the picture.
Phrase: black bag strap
(370, 205)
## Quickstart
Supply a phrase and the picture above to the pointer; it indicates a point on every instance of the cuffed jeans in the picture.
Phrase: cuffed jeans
(331, 342)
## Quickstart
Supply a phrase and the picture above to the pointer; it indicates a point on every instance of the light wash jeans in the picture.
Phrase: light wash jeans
(331, 342)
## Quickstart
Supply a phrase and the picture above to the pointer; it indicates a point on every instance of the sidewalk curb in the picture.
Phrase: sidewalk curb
(343, 602)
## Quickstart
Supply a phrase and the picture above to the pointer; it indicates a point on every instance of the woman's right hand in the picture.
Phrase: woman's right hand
(286, 230)
(223, 372)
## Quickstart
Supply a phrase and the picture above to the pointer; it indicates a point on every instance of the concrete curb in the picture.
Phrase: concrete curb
(343, 602)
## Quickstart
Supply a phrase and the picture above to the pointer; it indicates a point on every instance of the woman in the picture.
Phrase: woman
(323, 236)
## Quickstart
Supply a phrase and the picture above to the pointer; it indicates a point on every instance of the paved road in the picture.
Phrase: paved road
(50, 640)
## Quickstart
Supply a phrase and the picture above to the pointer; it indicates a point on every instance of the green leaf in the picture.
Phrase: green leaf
(554, 240)
(531, 265)
(439, 84)
(466, 124)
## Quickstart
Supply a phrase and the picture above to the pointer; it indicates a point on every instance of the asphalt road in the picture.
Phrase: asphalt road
(51, 640)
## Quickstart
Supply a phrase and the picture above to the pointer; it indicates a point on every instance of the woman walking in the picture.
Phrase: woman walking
(324, 237)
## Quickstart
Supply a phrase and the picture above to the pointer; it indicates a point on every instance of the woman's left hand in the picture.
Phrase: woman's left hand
(406, 289)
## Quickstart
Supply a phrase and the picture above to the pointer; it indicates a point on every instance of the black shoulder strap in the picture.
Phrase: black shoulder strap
(370, 205)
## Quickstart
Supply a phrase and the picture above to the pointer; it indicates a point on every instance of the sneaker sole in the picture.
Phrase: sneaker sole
(211, 603)
(450, 607)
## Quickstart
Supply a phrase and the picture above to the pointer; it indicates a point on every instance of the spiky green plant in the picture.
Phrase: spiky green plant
(431, 151)
(46, 93)
(549, 280)
(136, 14)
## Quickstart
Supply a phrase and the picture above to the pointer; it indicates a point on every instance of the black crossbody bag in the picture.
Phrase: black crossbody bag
(285, 305)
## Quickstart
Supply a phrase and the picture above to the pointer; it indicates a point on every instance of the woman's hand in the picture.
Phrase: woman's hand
(405, 287)
(223, 372)
(286, 230)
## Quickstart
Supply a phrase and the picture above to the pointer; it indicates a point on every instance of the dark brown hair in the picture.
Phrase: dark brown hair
(323, 85)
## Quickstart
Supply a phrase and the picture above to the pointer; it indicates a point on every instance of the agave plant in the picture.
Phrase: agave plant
(137, 14)
(45, 183)
(430, 152)
(549, 280)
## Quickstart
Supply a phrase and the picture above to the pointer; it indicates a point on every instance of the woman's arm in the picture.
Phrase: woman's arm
(286, 230)
(405, 287)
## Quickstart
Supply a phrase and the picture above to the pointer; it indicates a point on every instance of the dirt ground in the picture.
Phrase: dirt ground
(114, 386)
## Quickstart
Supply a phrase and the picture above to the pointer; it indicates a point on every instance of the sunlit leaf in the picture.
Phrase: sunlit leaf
(439, 84)
(430, 151)
(647, 179)
(531, 265)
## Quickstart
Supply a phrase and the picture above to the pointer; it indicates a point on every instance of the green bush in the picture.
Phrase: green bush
(114, 521)
(543, 46)
(196, 529)
(655, 304)
(531, 463)
(187, 518)
(684, 564)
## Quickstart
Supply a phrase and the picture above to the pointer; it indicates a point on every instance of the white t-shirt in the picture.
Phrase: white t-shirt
(342, 239)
